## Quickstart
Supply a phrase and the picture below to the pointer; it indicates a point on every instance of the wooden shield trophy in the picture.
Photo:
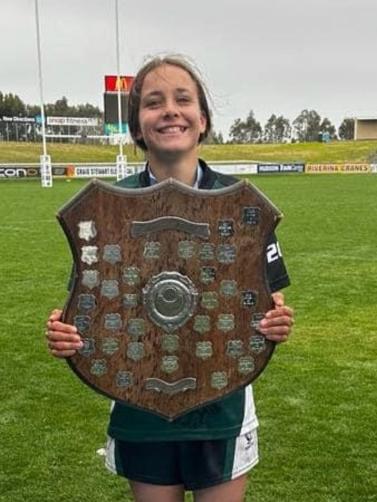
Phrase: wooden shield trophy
(169, 289)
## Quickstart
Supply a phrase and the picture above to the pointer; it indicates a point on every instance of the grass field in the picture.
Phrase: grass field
(316, 401)
(337, 151)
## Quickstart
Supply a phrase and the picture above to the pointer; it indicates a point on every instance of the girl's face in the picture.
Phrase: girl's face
(170, 117)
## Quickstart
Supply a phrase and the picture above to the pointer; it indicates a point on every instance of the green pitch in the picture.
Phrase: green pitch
(316, 400)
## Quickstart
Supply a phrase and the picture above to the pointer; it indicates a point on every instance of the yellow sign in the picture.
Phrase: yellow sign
(337, 168)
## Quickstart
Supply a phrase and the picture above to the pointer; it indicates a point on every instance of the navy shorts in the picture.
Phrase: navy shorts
(193, 464)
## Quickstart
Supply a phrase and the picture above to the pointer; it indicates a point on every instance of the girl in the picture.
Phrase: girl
(210, 450)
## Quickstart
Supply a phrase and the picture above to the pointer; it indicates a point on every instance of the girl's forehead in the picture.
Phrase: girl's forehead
(167, 77)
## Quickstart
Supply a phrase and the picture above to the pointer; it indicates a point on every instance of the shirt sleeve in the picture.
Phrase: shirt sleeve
(277, 274)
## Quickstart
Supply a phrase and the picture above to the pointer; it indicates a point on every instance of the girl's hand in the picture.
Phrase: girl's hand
(63, 340)
(277, 323)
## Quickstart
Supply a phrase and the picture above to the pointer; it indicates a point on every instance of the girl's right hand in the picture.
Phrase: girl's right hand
(63, 340)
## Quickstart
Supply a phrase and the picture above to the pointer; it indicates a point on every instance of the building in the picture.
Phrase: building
(365, 128)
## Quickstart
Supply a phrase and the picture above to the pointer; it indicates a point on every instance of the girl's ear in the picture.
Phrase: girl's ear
(203, 122)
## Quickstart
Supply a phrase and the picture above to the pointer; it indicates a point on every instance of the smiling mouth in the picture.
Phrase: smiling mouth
(172, 130)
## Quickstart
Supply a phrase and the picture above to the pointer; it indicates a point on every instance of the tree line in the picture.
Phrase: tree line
(307, 126)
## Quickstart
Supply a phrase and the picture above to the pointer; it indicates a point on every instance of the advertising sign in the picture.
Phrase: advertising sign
(73, 121)
(113, 83)
(337, 168)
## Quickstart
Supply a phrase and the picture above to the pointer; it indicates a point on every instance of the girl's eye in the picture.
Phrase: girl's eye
(184, 99)
(152, 104)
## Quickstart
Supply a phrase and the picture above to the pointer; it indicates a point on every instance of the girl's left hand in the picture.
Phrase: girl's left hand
(277, 323)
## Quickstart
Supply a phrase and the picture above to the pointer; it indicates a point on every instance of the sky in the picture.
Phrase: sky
(269, 56)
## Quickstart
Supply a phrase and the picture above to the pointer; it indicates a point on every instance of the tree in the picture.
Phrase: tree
(327, 127)
(277, 129)
(248, 131)
(347, 129)
(307, 125)
(11, 105)
(214, 138)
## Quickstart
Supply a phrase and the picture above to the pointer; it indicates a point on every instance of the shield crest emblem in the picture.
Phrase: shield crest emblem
(169, 289)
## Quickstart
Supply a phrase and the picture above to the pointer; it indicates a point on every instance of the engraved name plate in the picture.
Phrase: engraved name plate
(131, 276)
(87, 230)
(210, 300)
(207, 275)
(202, 323)
(170, 343)
(136, 327)
(88, 349)
(98, 367)
(251, 215)
(225, 228)
(89, 254)
(152, 250)
(112, 253)
(226, 253)
(234, 348)
(249, 298)
(225, 322)
(130, 300)
(256, 319)
(169, 364)
(204, 350)
(186, 249)
(228, 288)
(219, 380)
(257, 343)
(113, 321)
(82, 323)
(110, 346)
(124, 379)
(110, 289)
(86, 302)
(246, 365)
(135, 351)
(90, 278)
(207, 252)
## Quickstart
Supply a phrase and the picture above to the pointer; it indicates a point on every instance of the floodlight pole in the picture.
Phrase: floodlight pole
(121, 161)
(45, 160)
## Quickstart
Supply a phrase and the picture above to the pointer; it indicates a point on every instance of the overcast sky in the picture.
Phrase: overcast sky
(272, 56)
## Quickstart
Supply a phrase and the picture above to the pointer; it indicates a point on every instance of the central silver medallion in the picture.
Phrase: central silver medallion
(170, 299)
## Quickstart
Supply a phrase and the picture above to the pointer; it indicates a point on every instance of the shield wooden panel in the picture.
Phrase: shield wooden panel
(169, 287)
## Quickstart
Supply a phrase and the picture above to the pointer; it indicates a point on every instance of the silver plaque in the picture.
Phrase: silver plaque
(219, 380)
(228, 288)
(131, 276)
(226, 228)
(257, 343)
(90, 278)
(246, 365)
(256, 319)
(152, 250)
(226, 253)
(112, 253)
(207, 252)
(204, 350)
(89, 254)
(98, 367)
(124, 379)
(86, 302)
(130, 300)
(225, 322)
(251, 215)
(113, 321)
(87, 230)
(186, 249)
(110, 346)
(210, 300)
(170, 343)
(82, 323)
(249, 298)
(207, 275)
(88, 348)
(234, 348)
(135, 351)
(202, 323)
(110, 289)
(169, 364)
(170, 388)
(136, 327)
